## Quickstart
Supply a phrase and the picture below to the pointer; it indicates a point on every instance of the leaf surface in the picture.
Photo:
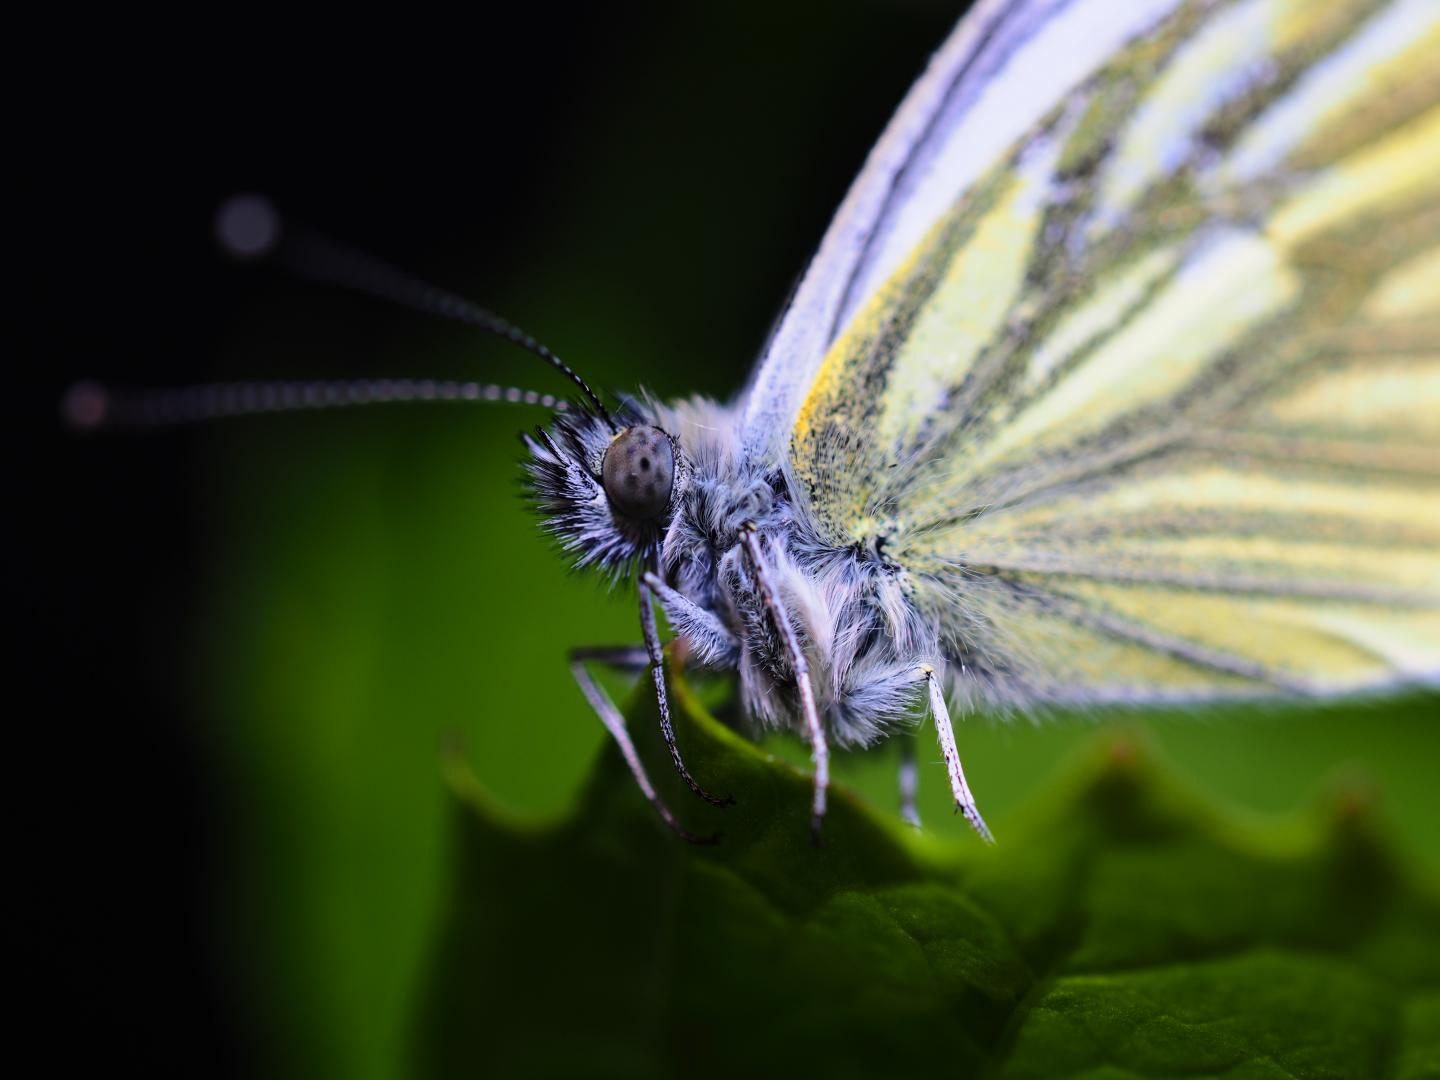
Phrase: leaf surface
(1122, 928)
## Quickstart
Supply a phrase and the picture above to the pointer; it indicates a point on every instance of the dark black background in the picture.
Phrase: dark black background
(436, 142)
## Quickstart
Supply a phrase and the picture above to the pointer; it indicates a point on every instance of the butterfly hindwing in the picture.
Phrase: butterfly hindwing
(1148, 406)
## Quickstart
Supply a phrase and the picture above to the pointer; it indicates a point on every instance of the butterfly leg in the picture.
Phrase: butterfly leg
(630, 659)
(909, 780)
(657, 670)
(709, 640)
(964, 801)
(819, 749)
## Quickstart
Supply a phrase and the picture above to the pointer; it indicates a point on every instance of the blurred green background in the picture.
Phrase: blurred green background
(637, 191)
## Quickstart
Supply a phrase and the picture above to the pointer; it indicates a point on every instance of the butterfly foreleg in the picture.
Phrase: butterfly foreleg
(785, 629)
(656, 656)
(964, 800)
(634, 659)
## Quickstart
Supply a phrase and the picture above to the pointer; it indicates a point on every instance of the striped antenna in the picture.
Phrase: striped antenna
(249, 227)
(88, 406)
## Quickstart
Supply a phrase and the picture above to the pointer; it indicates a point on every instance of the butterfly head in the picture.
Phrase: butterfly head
(607, 495)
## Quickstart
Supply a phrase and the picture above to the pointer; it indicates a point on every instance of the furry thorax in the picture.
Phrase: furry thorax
(864, 640)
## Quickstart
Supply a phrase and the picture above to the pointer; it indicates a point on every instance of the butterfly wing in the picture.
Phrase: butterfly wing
(1136, 372)
(1006, 64)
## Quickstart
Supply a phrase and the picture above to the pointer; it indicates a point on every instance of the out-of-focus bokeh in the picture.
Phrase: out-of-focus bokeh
(258, 636)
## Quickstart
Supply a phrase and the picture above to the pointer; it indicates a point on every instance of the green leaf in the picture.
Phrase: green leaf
(1120, 929)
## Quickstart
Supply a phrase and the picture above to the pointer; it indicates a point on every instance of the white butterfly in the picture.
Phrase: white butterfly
(1116, 379)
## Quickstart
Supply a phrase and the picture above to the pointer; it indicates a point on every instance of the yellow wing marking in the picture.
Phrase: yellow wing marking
(1400, 167)
(966, 312)
(1204, 311)
(1068, 654)
(1376, 79)
(1388, 93)
(1217, 489)
(1411, 290)
(835, 384)
(1339, 646)
(1097, 315)
(1197, 79)
(1228, 561)
(1397, 398)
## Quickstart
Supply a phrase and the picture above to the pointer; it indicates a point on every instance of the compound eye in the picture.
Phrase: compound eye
(638, 472)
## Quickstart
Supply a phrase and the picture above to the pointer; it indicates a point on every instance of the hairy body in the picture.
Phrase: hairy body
(825, 638)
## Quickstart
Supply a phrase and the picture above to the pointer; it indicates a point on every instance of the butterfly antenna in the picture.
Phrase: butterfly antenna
(89, 406)
(249, 227)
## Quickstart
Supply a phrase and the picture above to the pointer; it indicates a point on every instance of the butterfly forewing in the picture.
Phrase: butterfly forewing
(1148, 407)
(1005, 65)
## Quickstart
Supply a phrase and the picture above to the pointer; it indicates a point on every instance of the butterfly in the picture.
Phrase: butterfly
(1114, 381)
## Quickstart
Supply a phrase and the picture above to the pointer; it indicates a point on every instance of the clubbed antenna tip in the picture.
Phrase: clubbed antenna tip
(85, 406)
(248, 227)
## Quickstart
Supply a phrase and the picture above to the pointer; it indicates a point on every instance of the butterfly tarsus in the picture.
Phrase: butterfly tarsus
(656, 656)
(964, 800)
(630, 659)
